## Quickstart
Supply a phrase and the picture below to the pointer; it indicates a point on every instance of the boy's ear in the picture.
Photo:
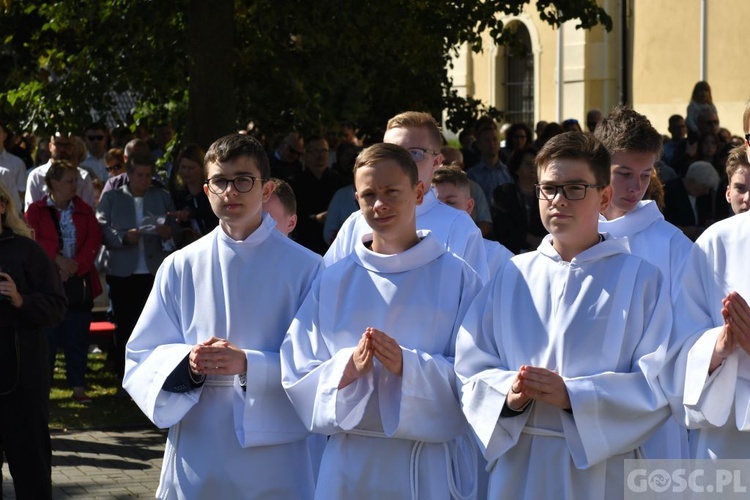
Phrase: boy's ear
(606, 198)
(292, 223)
(268, 188)
(470, 207)
(419, 190)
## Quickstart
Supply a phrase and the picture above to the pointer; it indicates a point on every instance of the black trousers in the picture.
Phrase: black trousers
(24, 417)
(128, 296)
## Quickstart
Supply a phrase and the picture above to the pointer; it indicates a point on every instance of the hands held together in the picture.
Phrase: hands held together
(736, 332)
(540, 384)
(373, 344)
(217, 356)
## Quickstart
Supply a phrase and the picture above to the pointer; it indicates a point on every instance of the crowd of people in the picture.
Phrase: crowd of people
(331, 319)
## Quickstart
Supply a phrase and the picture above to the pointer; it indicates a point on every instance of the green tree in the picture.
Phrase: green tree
(210, 66)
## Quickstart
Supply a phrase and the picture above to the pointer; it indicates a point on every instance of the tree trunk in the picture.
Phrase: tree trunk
(211, 99)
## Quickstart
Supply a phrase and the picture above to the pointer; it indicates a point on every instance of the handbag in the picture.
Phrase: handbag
(77, 288)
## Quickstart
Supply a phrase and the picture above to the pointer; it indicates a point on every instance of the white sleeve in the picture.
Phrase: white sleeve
(154, 350)
(423, 403)
(311, 374)
(486, 377)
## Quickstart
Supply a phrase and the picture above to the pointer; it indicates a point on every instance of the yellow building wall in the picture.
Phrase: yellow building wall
(663, 62)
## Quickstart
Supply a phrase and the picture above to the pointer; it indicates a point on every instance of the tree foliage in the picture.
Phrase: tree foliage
(295, 63)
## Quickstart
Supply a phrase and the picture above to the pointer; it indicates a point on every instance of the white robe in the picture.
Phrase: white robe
(390, 435)
(224, 442)
(453, 228)
(662, 244)
(497, 256)
(718, 406)
(602, 322)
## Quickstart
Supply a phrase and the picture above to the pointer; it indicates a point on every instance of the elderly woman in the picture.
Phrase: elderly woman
(31, 298)
(65, 226)
(138, 235)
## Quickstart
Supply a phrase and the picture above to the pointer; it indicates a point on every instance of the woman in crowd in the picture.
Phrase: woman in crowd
(65, 226)
(193, 209)
(515, 217)
(31, 298)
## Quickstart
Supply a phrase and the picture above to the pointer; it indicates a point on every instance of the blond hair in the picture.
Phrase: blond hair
(11, 219)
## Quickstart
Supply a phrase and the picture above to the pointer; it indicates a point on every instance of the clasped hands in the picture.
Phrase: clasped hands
(373, 344)
(736, 331)
(217, 356)
(538, 384)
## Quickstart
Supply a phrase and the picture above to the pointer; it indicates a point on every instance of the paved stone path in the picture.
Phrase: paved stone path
(103, 464)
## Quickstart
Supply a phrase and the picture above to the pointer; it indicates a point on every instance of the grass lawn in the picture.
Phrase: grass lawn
(106, 411)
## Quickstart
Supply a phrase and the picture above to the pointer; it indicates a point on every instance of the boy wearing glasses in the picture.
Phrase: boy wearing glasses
(635, 146)
(203, 359)
(419, 134)
(559, 354)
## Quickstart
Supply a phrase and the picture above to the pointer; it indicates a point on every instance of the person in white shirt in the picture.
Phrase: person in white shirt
(96, 139)
(203, 359)
(12, 170)
(419, 133)
(635, 146)
(559, 355)
(368, 358)
(61, 147)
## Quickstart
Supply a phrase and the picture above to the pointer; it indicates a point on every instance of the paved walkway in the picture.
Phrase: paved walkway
(103, 464)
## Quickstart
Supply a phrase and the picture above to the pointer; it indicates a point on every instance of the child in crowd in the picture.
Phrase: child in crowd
(203, 359)
(282, 206)
(560, 353)
(368, 358)
(451, 186)
(738, 173)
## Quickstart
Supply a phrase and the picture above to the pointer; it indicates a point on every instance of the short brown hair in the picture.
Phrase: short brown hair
(285, 194)
(139, 158)
(56, 171)
(746, 118)
(736, 160)
(383, 152)
(415, 119)
(626, 130)
(233, 146)
(577, 146)
(451, 174)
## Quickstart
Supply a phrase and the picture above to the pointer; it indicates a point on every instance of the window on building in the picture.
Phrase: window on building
(520, 78)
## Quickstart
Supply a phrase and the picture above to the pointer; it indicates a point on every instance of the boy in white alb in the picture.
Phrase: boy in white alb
(714, 332)
(635, 146)
(368, 359)
(419, 133)
(203, 359)
(559, 354)
(452, 187)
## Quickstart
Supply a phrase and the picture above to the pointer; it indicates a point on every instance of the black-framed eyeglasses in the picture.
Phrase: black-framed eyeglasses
(417, 154)
(570, 191)
(241, 183)
(114, 168)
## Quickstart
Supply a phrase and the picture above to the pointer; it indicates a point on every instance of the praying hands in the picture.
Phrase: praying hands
(540, 384)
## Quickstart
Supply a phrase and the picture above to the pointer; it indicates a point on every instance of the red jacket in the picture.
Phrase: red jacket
(88, 236)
